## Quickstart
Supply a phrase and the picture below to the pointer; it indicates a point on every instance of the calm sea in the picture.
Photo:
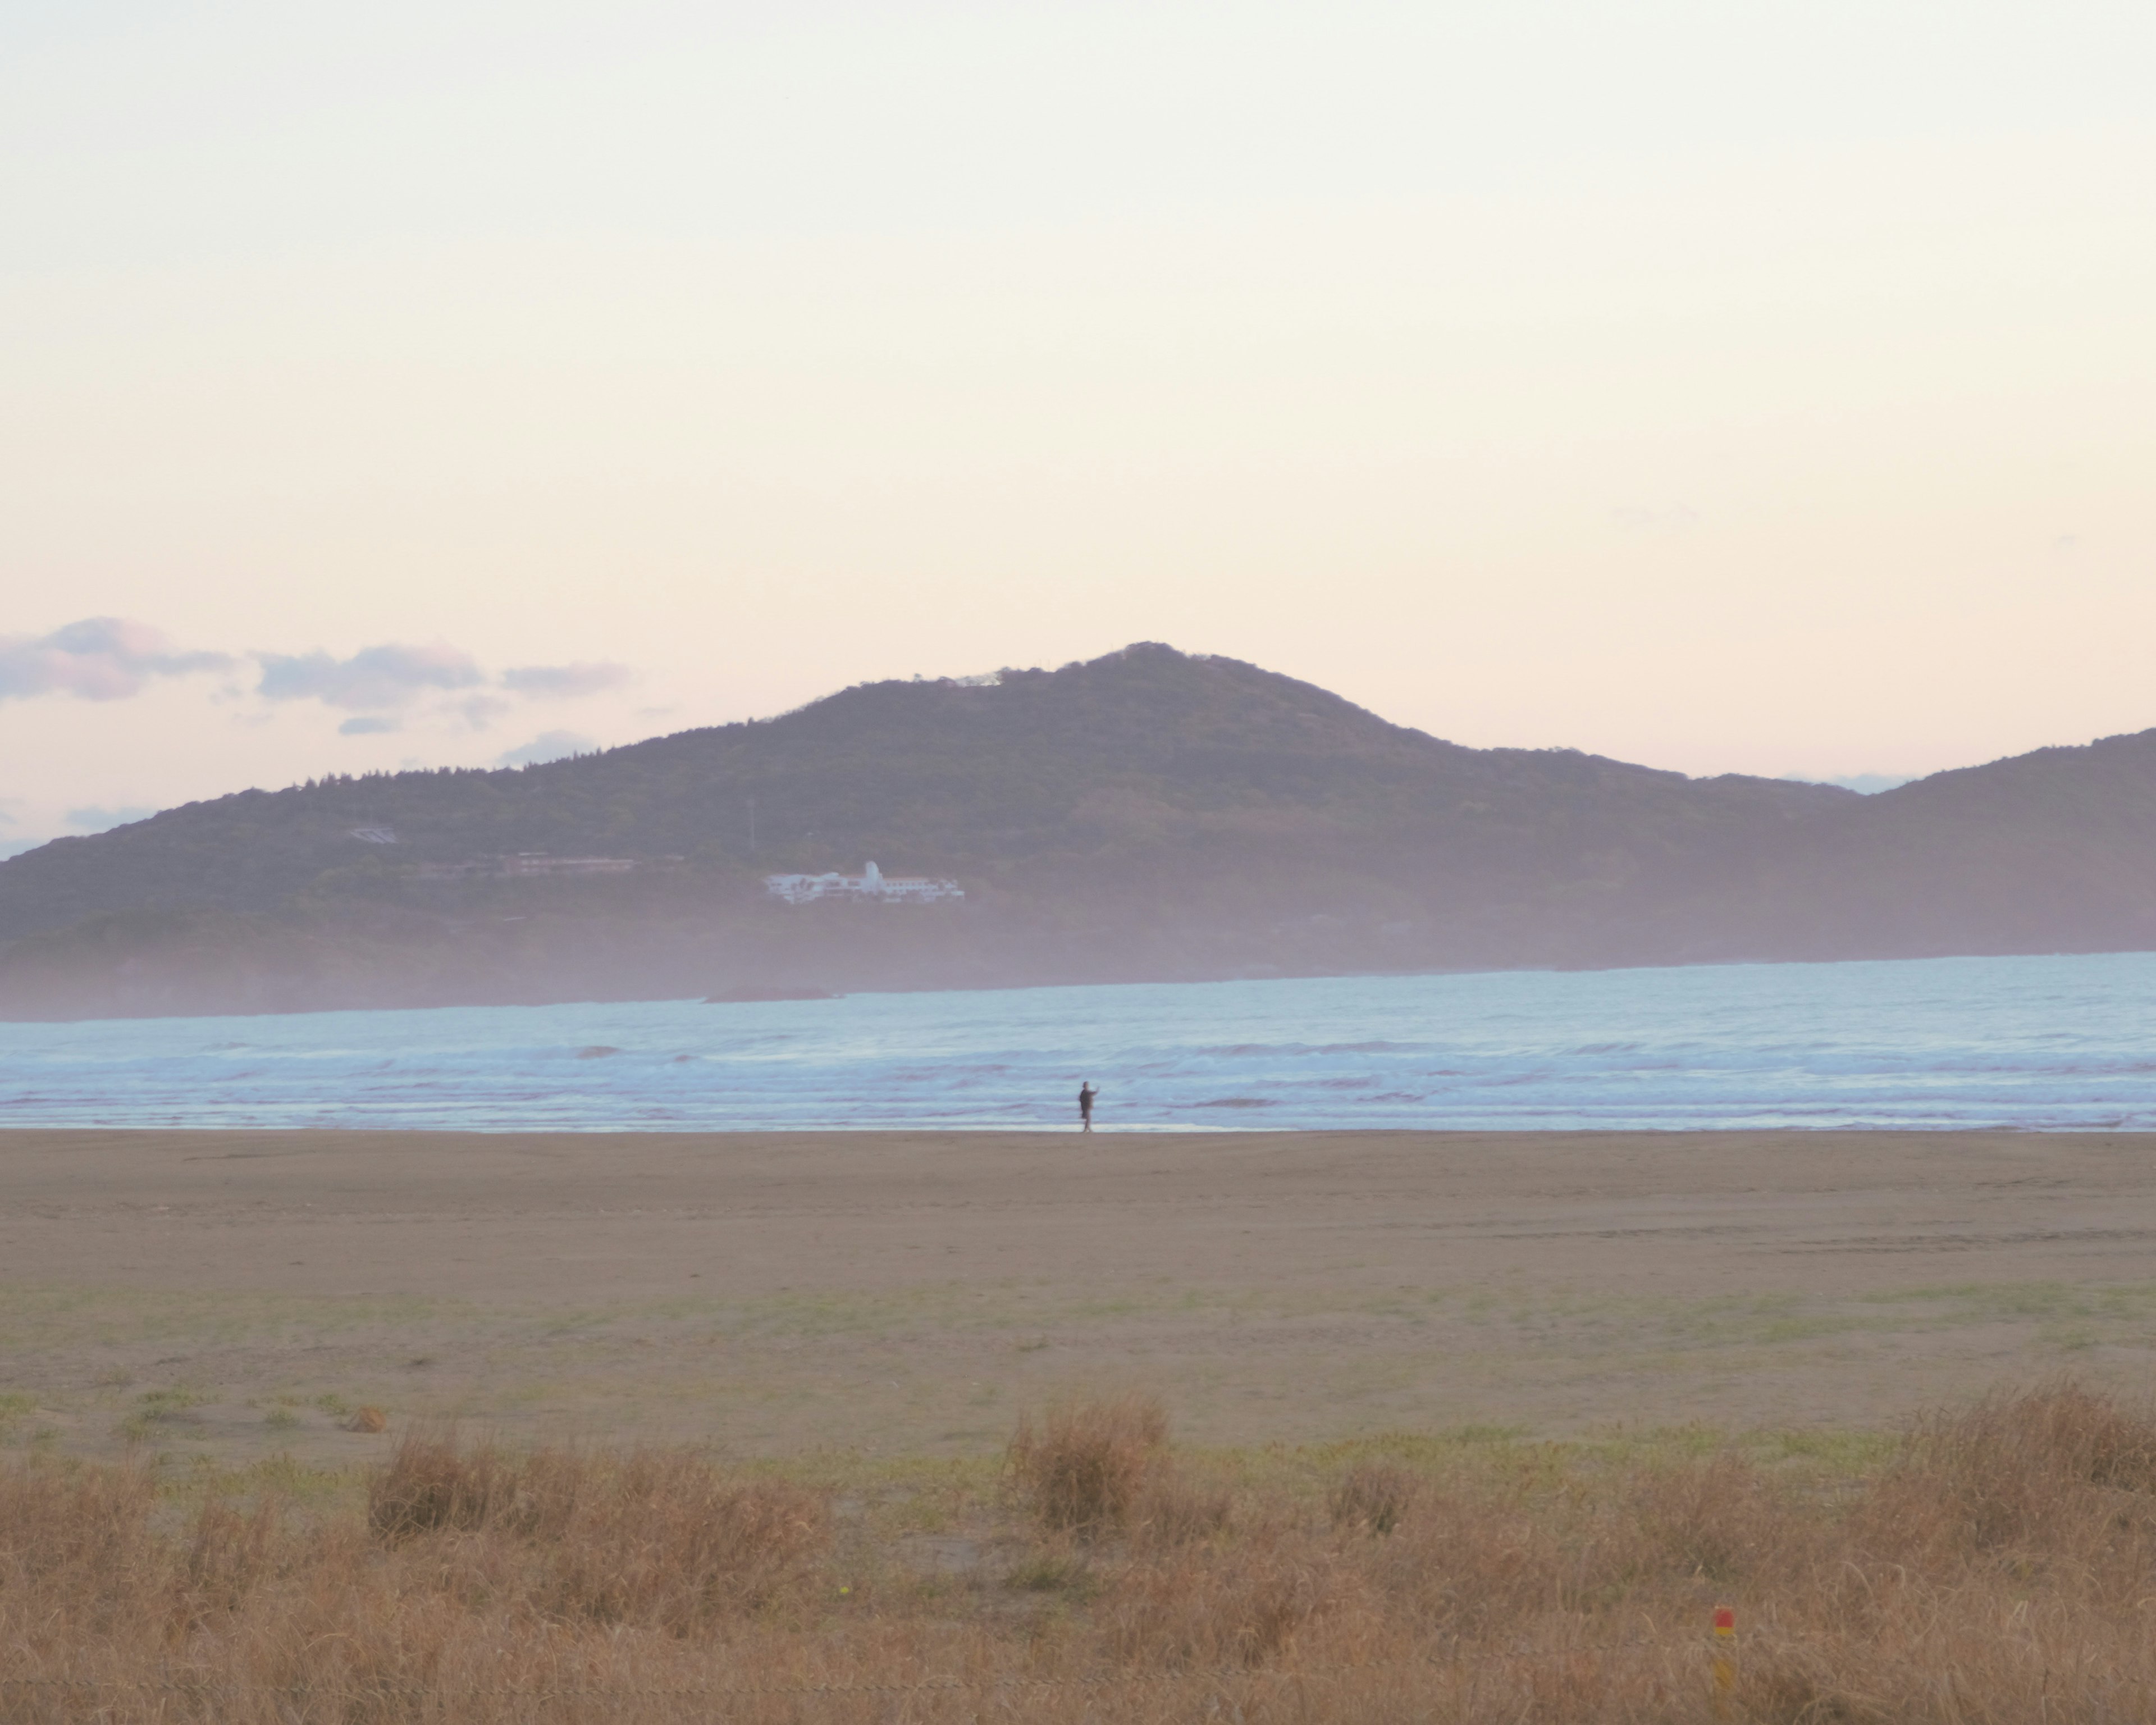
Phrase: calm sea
(2022, 1042)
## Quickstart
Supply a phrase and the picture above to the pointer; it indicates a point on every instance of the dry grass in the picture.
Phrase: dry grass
(1374, 1495)
(2000, 1565)
(1085, 1467)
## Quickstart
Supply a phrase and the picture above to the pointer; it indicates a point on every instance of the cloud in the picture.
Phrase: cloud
(112, 658)
(548, 746)
(566, 682)
(93, 819)
(98, 658)
(389, 675)
(480, 710)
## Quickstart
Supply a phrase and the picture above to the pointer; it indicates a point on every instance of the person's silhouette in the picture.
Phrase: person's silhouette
(1085, 1095)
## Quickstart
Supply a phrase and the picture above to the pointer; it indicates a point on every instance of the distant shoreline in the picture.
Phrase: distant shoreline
(762, 996)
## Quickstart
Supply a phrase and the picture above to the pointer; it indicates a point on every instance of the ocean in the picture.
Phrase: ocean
(2067, 1042)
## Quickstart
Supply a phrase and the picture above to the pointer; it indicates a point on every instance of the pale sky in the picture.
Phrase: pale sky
(1768, 388)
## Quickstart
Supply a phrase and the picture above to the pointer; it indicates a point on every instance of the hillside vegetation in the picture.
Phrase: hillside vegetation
(1147, 814)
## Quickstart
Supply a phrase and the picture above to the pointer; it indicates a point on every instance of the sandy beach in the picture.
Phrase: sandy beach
(236, 1293)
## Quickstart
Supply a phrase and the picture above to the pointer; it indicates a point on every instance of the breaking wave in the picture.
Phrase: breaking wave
(2041, 1042)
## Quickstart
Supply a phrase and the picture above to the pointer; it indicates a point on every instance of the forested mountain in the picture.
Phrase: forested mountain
(1146, 815)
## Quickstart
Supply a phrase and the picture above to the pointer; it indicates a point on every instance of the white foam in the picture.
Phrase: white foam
(2044, 1042)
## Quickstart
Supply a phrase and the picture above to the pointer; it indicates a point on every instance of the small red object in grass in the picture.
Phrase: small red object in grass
(1725, 1619)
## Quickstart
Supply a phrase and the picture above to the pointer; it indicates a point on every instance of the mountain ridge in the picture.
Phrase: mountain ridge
(1145, 813)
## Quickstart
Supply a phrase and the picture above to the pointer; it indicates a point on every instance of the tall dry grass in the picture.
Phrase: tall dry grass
(1999, 1566)
(1084, 1468)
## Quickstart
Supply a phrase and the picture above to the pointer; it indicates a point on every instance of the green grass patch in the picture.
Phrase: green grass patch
(44, 1317)
(156, 1409)
(15, 1406)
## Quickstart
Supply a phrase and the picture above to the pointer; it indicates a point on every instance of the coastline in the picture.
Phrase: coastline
(2035, 1044)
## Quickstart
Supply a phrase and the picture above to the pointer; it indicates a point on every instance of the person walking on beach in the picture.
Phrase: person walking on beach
(1085, 1095)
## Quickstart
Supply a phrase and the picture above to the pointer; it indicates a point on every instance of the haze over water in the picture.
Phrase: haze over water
(2029, 1042)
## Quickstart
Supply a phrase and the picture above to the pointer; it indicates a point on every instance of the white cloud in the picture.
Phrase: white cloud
(566, 682)
(392, 676)
(480, 710)
(389, 675)
(97, 659)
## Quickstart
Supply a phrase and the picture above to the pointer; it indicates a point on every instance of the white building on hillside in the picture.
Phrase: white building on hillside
(872, 884)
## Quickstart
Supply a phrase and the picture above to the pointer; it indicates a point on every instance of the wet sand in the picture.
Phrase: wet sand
(235, 1293)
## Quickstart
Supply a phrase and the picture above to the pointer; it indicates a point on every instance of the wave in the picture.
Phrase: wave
(2049, 1042)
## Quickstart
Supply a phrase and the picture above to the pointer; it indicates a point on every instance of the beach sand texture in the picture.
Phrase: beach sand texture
(239, 1293)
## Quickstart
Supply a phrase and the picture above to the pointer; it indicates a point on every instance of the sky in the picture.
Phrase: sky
(1727, 387)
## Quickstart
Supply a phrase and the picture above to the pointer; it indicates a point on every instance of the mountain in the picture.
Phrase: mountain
(1148, 814)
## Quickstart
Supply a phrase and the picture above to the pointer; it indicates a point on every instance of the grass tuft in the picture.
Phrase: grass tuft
(1373, 1497)
(1086, 1463)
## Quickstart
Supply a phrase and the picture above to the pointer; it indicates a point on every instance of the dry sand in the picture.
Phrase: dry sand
(232, 1293)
